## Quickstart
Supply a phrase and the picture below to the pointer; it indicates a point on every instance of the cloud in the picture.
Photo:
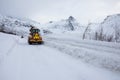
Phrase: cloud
(45, 10)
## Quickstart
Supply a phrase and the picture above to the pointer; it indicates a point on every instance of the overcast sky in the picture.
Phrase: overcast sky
(47, 10)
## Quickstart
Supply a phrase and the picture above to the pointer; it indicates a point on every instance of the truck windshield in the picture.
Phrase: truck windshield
(35, 30)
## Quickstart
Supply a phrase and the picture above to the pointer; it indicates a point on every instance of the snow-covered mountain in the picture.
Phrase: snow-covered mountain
(69, 24)
(16, 26)
(108, 30)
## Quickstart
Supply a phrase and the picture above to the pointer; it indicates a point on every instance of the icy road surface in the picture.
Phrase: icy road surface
(20, 61)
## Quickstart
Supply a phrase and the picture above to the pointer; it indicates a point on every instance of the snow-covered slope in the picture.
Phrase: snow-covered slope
(111, 27)
(65, 25)
(16, 26)
(91, 29)
(108, 30)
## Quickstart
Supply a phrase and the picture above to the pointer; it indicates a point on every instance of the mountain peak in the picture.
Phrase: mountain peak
(71, 18)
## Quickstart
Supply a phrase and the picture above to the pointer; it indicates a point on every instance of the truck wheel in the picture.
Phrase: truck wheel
(29, 42)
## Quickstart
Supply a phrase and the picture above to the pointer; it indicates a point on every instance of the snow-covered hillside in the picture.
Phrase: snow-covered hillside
(16, 26)
(108, 30)
(62, 26)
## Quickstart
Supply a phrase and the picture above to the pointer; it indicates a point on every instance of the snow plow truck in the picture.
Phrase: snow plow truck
(34, 36)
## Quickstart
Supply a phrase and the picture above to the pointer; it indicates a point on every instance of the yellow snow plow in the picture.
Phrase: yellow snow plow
(35, 36)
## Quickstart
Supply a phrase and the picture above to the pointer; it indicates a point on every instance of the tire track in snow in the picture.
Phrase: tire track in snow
(89, 46)
(13, 46)
(95, 43)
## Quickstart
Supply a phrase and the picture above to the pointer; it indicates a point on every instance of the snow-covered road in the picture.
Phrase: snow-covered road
(48, 61)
